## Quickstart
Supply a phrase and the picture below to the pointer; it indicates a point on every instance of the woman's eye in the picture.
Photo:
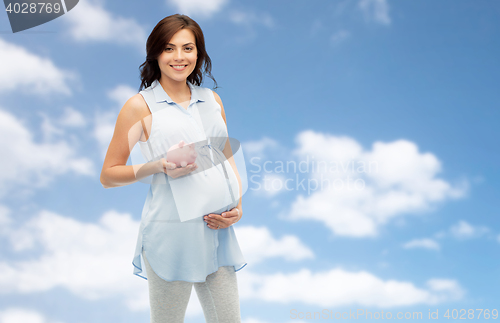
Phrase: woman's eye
(168, 48)
(189, 48)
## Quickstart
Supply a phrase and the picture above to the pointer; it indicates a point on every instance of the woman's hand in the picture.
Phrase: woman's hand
(226, 219)
(173, 171)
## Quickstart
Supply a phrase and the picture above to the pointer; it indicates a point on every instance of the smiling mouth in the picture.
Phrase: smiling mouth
(178, 67)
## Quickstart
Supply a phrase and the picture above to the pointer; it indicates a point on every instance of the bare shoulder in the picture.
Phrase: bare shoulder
(218, 99)
(136, 106)
(130, 116)
(127, 131)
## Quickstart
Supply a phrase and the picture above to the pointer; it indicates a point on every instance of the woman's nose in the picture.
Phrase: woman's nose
(179, 55)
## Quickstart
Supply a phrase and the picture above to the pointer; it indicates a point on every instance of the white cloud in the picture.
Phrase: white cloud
(55, 128)
(31, 74)
(72, 118)
(22, 315)
(337, 287)
(258, 148)
(89, 21)
(5, 219)
(378, 10)
(29, 164)
(204, 8)
(104, 122)
(464, 230)
(49, 130)
(422, 243)
(268, 184)
(249, 18)
(353, 191)
(93, 260)
(258, 244)
(450, 289)
(121, 93)
(104, 128)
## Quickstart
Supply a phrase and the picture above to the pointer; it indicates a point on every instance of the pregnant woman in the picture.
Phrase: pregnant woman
(172, 106)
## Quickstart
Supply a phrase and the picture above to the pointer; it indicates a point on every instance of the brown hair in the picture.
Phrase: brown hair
(159, 38)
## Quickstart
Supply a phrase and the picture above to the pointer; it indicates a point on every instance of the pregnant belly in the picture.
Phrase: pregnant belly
(198, 194)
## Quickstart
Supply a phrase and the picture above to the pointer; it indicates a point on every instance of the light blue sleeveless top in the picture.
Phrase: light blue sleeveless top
(189, 250)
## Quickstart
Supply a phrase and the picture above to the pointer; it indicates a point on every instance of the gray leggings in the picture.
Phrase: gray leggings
(218, 296)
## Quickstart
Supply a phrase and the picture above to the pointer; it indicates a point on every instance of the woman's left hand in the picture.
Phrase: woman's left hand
(224, 220)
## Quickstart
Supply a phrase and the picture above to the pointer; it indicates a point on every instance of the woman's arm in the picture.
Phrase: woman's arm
(229, 153)
(128, 130)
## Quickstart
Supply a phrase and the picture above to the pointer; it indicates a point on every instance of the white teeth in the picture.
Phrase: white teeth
(178, 66)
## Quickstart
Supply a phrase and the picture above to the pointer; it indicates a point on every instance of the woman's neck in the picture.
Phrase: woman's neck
(174, 88)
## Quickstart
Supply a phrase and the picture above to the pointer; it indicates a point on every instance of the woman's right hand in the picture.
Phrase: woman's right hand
(173, 171)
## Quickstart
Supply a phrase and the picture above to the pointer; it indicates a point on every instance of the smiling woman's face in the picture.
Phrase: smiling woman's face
(178, 59)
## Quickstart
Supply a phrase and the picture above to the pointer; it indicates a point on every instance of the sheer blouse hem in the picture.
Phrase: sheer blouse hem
(138, 270)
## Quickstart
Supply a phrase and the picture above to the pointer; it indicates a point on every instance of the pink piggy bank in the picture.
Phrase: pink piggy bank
(182, 154)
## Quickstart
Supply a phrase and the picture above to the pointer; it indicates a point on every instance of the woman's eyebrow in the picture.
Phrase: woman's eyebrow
(170, 44)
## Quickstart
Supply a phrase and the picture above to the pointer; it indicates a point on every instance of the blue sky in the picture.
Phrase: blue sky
(408, 86)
